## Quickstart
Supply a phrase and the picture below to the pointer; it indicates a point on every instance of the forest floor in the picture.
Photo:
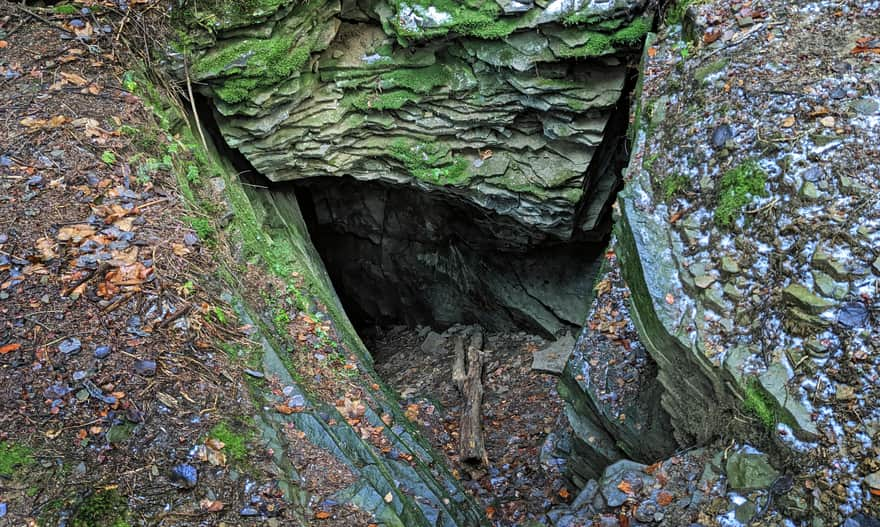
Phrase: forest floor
(114, 390)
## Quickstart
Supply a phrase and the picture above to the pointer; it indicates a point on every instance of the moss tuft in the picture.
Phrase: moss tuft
(13, 457)
(252, 63)
(758, 403)
(673, 185)
(105, 507)
(738, 186)
(475, 19)
(236, 442)
(419, 80)
(66, 9)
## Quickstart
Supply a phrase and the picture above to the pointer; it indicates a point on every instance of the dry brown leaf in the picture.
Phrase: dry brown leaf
(46, 246)
(75, 233)
(788, 122)
(211, 505)
(74, 78)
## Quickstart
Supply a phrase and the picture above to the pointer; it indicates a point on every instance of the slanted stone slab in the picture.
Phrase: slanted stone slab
(552, 359)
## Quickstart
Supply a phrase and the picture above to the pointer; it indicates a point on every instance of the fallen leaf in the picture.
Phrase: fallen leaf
(652, 52)
(211, 505)
(563, 493)
(4, 44)
(788, 122)
(322, 515)
(75, 233)
(827, 122)
(75, 79)
(389, 498)
(284, 409)
(46, 246)
(664, 498)
(8, 348)
(669, 298)
(625, 487)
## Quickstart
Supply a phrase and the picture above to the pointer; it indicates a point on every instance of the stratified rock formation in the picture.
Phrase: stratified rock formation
(749, 236)
(502, 105)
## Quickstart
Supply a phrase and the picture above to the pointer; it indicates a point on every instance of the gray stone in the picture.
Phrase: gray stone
(749, 471)
(554, 357)
(800, 296)
(433, 343)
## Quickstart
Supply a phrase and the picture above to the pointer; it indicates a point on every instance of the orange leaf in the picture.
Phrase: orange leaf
(9, 348)
(563, 493)
(490, 512)
(625, 487)
(284, 409)
(4, 44)
(664, 498)
(652, 51)
(875, 492)
(322, 515)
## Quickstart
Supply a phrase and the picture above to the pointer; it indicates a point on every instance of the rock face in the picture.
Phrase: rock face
(502, 105)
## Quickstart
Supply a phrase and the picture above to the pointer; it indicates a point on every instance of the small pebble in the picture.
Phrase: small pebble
(147, 368)
(184, 476)
(70, 346)
(721, 135)
(102, 352)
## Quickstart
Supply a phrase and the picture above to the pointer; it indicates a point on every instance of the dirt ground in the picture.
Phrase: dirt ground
(520, 408)
(114, 382)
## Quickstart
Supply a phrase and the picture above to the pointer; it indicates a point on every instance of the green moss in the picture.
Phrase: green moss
(203, 227)
(474, 19)
(66, 9)
(596, 44)
(673, 185)
(393, 100)
(418, 80)
(430, 162)
(235, 442)
(632, 34)
(252, 63)
(13, 457)
(738, 186)
(105, 508)
(758, 403)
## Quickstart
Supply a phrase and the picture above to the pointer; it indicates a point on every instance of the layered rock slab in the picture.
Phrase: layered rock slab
(501, 105)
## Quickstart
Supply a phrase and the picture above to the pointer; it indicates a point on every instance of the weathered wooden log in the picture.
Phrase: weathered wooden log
(472, 450)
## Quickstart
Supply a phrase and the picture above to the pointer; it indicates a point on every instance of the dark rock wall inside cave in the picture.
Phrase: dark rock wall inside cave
(401, 255)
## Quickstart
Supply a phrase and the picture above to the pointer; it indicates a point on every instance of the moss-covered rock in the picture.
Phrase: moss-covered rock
(502, 90)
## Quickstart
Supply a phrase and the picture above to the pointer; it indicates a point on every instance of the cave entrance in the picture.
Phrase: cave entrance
(419, 273)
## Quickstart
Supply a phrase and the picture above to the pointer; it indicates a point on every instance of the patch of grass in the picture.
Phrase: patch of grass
(738, 186)
(108, 157)
(105, 508)
(430, 162)
(236, 442)
(758, 403)
(14, 457)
